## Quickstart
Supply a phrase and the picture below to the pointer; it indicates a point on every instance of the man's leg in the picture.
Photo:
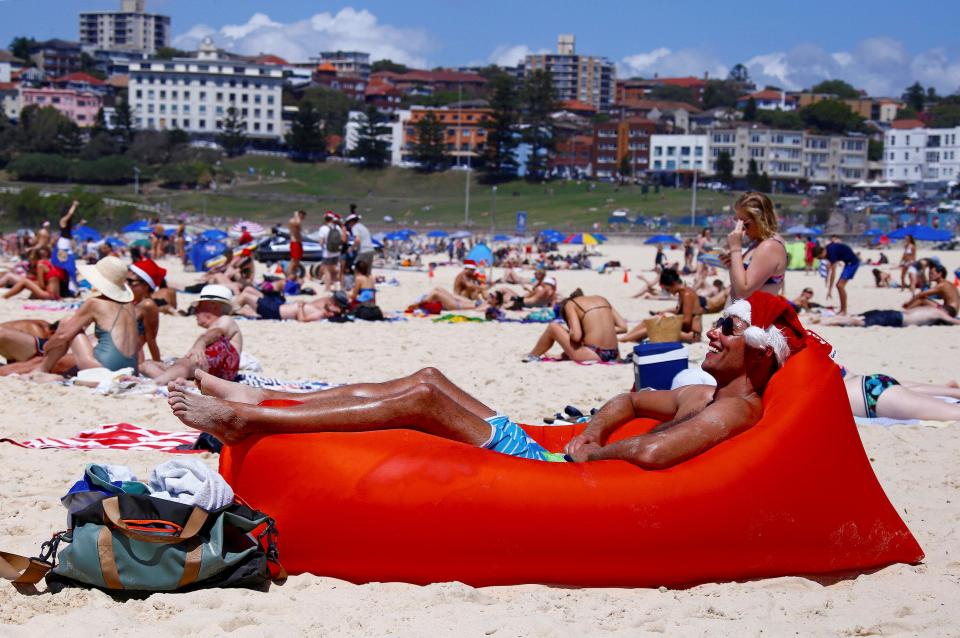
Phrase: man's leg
(424, 407)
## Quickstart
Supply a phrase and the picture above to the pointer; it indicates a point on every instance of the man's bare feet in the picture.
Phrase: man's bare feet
(227, 390)
(205, 413)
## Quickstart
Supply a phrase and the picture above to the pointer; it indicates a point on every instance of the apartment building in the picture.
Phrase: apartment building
(130, 29)
(80, 106)
(584, 78)
(613, 141)
(356, 63)
(56, 57)
(915, 154)
(194, 94)
(791, 155)
(463, 131)
(679, 153)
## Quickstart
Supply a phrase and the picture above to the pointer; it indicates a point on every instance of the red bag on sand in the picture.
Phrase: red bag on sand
(793, 495)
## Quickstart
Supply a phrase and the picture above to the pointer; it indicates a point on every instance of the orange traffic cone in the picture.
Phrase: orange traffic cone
(626, 276)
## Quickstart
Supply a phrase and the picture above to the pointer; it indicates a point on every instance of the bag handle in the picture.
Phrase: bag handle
(111, 518)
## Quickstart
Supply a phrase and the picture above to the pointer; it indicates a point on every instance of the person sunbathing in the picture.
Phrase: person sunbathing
(742, 357)
(939, 287)
(922, 316)
(689, 306)
(591, 332)
(216, 351)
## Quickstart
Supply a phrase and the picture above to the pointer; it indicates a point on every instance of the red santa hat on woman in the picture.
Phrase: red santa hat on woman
(773, 324)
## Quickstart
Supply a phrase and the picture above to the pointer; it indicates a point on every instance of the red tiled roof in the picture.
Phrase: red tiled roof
(79, 77)
(906, 124)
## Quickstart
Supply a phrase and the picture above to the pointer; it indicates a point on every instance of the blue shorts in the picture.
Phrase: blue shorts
(849, 270)
(509, 438)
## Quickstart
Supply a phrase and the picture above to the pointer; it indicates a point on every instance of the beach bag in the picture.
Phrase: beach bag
(140, 543)
(663, 328)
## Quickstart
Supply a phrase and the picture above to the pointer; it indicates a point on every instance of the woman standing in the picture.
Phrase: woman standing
(763, 264)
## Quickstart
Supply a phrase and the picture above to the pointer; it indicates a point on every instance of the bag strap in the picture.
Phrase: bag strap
(111, 518)
(21, 569)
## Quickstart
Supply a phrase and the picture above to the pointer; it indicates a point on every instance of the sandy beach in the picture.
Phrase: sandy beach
(917, 466)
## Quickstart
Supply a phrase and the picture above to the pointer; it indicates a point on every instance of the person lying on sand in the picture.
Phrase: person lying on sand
(591, 332)
(742, 357)
(922, 316)
(216, 351)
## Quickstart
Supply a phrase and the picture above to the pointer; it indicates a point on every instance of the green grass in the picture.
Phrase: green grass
(280, 186)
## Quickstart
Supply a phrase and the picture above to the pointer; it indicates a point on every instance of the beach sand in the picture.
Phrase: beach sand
(916, 465)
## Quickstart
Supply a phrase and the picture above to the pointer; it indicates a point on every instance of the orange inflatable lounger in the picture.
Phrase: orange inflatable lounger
(795, 494)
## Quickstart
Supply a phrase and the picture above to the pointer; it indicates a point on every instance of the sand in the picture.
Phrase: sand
(916, 465)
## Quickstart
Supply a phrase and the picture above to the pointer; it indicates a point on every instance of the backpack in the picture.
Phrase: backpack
(334, 241)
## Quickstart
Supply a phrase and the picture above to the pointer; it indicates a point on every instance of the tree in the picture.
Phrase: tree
(725, 167)
(672, 93)
(720, 93)
(430, 150)
(875, 150)
(305, 138)
(371, 148)
(750, 111)
(539, 101)
(388, 65)
(915, 97)
(753, 175)
(839, 88)
(831, 116)
(500, 162)
(233, 133)
(20, 47)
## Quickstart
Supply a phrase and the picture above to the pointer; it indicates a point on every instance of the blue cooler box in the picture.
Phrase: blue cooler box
(655, 364)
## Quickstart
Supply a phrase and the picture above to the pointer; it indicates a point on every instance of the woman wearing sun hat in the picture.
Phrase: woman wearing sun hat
(114, 319)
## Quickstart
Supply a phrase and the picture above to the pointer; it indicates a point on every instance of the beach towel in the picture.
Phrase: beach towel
(191, 482)
(117, 436)
(284, 385)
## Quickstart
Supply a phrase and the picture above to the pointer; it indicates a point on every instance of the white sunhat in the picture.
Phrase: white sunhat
(219, 294)
(108, 277)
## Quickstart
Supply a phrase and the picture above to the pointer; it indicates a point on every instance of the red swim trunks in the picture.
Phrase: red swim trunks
(296, 250)
(223, 360)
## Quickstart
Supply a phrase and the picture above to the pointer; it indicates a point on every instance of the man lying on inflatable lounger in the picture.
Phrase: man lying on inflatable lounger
(752, 340)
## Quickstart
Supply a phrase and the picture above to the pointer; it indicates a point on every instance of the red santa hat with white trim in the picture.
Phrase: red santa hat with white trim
(773, 324)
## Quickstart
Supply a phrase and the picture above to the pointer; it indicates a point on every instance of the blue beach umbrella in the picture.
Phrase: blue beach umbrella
(663, 239)
(85, 233)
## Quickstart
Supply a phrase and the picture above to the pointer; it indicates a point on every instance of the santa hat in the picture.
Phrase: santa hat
(773, 324)
(149, 271)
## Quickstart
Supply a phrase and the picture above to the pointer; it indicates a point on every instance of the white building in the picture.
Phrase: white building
(792, 155)
(912, 155)
(194, 94)
(679, 152)
(130, 29)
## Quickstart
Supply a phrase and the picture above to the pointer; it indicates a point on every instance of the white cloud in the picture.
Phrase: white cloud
(881, 66)
(348, 29)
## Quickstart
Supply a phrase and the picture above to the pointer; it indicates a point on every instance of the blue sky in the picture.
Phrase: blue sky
(880, 46)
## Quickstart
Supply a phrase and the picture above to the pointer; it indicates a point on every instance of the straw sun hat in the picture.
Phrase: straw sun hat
(108, 277)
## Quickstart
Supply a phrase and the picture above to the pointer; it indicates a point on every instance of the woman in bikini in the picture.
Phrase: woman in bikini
(591, 332)
(763, 264)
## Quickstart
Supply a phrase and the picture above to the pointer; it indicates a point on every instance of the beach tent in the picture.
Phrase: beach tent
(481, 254)
(582, 238)
(435, 234)
(663, 239)
(137, 227)
(922, 233)
(213, 234)
(85, 233)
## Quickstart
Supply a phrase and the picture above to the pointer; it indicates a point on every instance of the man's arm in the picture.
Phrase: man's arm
(682, 440)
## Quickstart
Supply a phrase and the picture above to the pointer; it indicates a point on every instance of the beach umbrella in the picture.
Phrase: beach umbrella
(481, 254)
(663, 239)
(85, 233)
(137, 227)
(436, 234)
(253, 228)
(582, 238)
(501, 238)
(115, 242)
(461, 234)
(922, 233)
(213, 234)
